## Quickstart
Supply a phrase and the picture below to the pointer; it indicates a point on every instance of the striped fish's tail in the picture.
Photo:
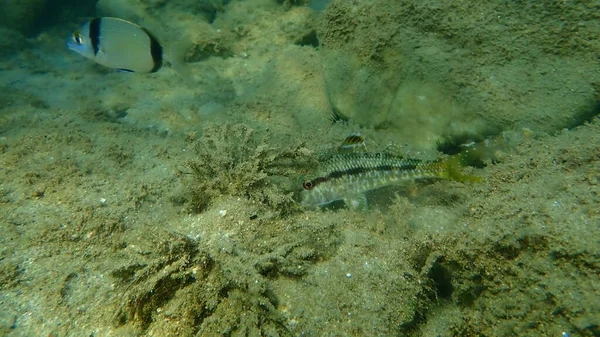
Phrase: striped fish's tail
(455, 165)
(451, 168)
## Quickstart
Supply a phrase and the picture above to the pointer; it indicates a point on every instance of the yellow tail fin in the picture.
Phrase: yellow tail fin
(453, 170)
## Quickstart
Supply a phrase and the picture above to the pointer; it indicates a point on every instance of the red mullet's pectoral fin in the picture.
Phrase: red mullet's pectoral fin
(357, 202)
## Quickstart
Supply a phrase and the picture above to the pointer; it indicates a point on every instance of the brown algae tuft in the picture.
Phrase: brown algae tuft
(233, 161)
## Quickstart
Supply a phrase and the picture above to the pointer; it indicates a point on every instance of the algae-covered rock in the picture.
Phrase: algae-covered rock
(21, 15)
(372, 62)
(140, 9)
(421, 70)
(32, 17)
(11, 42)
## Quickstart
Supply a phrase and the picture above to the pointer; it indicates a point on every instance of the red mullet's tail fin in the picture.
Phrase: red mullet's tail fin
(453, 170)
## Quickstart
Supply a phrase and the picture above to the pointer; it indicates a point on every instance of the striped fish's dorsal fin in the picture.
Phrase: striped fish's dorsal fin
(355, 142)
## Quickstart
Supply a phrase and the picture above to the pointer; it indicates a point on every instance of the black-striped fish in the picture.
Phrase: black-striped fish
(348, 175)
(118, 44)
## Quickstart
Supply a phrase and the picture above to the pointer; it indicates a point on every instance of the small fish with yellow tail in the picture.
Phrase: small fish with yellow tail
(349, 173)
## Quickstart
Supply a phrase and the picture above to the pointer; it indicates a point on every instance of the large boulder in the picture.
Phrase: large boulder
(22, 15)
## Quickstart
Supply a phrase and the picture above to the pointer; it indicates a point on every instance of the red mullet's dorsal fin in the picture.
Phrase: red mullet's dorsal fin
(355, 142)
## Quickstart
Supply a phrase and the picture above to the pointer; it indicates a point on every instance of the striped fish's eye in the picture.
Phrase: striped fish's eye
(78, 38)
(308, 185)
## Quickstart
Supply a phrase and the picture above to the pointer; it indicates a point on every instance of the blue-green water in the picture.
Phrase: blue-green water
(166, 203)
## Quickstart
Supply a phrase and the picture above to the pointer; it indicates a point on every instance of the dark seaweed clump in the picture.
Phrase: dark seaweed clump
(233, 161)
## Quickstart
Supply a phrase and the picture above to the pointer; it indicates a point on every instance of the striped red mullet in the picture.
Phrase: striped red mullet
(348, 176)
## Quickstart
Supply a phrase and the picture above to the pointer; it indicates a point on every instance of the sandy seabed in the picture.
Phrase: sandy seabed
(149, 205)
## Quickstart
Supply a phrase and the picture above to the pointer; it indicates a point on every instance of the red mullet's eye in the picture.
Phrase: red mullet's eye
(308, 185)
